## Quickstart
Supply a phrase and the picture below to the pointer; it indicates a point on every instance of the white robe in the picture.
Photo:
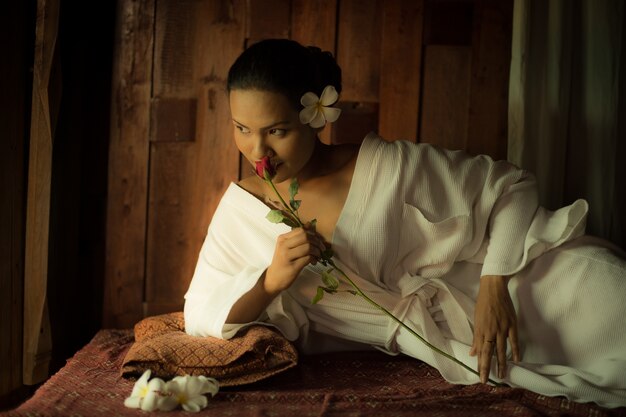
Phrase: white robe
(420, 226)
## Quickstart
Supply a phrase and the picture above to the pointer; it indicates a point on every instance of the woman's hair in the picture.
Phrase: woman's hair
(284, 66)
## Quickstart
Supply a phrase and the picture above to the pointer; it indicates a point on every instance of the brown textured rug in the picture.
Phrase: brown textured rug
(341, 384)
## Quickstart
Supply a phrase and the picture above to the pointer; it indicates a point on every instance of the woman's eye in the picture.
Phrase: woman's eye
(278, 132)
(242, 129)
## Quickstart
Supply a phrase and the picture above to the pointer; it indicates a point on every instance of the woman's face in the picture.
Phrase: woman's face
(266, 125)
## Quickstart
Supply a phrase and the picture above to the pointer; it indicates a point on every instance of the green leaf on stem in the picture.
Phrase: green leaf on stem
(289, 222)
(329, 280)
(295, 204)
(275, 216)
(293, 188)
(318, 296)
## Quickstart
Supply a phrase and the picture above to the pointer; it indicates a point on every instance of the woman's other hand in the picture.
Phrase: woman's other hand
(495, 321)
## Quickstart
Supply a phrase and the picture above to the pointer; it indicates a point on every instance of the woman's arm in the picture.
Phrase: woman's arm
(495, 320)
(294, 250)
(509, 222)
(250, 306)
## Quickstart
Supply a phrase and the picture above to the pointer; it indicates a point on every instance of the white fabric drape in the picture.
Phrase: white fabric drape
(567, 103)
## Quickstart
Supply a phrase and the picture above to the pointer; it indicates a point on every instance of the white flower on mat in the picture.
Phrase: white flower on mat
(317, 111)
(145, 395)
(188, 391)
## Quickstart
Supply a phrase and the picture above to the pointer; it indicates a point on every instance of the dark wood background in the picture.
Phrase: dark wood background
(143, 148)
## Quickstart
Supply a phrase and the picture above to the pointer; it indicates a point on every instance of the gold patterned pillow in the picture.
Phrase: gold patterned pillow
(162, 345)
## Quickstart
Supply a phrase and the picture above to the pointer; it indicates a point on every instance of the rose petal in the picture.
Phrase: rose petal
(318, 121)
(331, 113)
(309, 99)
(329, 96)
(262, 166)
(307, 114)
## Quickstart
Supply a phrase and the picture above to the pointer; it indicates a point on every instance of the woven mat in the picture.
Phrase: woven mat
(341, 384)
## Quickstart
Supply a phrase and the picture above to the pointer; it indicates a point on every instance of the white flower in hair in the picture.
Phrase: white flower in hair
(317, 111)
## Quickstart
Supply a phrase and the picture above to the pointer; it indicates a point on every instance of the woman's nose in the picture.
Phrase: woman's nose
(261, 148)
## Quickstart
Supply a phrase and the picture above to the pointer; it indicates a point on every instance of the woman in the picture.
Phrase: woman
(455, 246)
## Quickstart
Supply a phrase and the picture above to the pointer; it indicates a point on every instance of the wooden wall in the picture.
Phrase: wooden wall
(17, 27)
(425, 70)
(79, 102)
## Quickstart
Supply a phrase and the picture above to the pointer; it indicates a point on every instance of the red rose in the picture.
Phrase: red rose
(265, 169)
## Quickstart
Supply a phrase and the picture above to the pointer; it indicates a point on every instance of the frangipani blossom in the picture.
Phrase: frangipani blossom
(145, 395)
(317, 111)
(188, 391)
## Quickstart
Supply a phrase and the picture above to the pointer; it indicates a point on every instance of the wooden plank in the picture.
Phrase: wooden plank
(174, 71)
(448, 22)
(128, 165)
(314, 23)
(491, 58)
(446, 96)
(356, 121)
(358, 49)
(37, 336)
(187, 179)
(401, 58)
(267, 19)
(173, 119)
(170, 261)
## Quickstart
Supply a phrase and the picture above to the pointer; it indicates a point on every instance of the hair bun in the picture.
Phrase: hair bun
(286, 67)
(328, 72)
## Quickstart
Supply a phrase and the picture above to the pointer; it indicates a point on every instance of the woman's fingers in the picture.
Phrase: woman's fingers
(294, 251)
(303, 244)
(484, 360)
(495, 345)
(514, 344)
(501, 354)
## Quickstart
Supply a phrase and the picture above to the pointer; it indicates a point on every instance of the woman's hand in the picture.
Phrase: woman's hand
(494, 322)
(294, 250)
